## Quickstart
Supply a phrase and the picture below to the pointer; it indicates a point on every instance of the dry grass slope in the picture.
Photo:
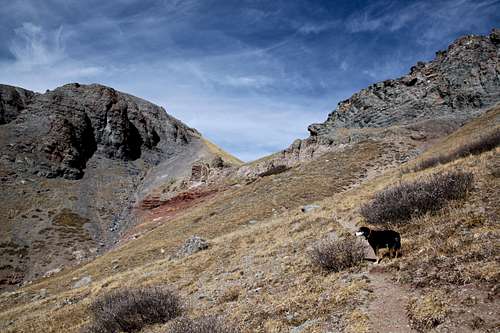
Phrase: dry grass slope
(259, 276)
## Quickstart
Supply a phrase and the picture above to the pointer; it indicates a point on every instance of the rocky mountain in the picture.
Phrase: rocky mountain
(84, 169)
(459, 83)
(74, 163)
(433, 100)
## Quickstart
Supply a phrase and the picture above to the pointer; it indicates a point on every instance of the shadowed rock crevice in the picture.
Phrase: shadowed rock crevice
(70, 146)
(12, 101)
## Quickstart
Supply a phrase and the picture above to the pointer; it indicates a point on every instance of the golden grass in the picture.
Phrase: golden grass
(428, 311)
(222, 153)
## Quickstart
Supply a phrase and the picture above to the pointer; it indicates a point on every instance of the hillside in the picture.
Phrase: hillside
(261, 219)
(73, 164)
(258, 273)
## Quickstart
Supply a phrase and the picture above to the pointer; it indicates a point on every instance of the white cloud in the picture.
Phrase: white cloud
(41, 61)
(253, 81)
(344, 65)
(316, 28)
(382, 16)
(433, 20)
(33, 47)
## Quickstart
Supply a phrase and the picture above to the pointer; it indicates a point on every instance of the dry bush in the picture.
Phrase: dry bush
(482, 144)
(404, 201)
(231, 294)
(336, 255)
(201, 325)
(427, 312)
(131, 310)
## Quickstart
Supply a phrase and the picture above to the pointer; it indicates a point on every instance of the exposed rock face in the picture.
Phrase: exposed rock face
(431, 101)
(458, 83)
(12, 101)
(76, 120)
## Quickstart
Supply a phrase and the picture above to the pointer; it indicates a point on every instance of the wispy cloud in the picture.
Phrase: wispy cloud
(250, 75)
(32, 47)
(40, 58)
(430, 20)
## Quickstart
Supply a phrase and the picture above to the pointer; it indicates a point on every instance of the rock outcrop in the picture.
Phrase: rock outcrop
(433, 100)
(12, 101)
(75, 121)
(458, 83)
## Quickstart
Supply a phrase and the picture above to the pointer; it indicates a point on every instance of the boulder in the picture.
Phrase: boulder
(192, 245)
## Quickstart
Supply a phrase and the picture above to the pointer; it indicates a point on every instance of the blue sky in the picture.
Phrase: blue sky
(249, 75)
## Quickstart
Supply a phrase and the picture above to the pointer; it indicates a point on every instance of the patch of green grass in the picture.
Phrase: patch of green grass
(70, 219)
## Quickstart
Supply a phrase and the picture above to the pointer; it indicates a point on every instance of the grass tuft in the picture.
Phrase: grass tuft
(407, 200)
(207, 324)
(427, 312)
(336, 255)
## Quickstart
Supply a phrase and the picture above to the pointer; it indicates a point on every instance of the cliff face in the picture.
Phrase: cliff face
(457, 84)
(65, 127)
(74, 162)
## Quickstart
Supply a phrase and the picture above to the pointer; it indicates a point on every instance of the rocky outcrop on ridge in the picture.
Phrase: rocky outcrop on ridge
(459, 83)
(431, 101)
(66, 126)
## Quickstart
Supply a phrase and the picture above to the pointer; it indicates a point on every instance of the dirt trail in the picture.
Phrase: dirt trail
(387, 312)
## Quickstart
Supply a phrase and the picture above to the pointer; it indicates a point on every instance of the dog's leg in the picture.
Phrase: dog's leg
(391, 252)
(376, 255)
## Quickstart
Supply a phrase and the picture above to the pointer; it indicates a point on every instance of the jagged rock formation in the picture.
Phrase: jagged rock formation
(74, 163)
(68, 125)
(431, 101)
(12, 101)
(458, 83)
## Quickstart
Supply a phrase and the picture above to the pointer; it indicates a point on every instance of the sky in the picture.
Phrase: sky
(250, 75)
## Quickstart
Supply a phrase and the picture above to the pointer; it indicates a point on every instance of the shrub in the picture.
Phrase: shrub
(336, 255)
(131, 310)
(402, 202)
(482, 144)
(201, 325)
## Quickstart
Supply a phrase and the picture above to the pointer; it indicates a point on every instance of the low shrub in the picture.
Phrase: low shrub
(402, 202)
(482, 144)
(336, 255)
(201, 325)
(131, 310)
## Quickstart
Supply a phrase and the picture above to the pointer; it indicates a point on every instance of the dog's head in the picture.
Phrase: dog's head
(363, 231)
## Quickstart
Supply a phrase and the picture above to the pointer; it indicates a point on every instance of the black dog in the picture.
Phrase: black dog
(379, 239)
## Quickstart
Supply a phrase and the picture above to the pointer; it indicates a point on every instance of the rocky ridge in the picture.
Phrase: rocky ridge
(433, 100)
(459, 83)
